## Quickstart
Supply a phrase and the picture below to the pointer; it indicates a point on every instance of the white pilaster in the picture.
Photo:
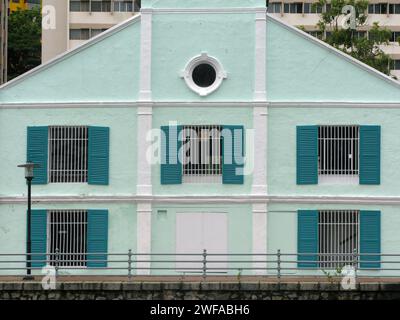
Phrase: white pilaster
(144, 236)
(145, 56)
(144, 120)
(144, 126)
(259, 237)
(260, 123)
(260, 64)
(260, 111)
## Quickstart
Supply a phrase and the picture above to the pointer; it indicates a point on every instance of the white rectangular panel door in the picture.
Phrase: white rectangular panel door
(198, 231)
(215, 239)
(189, 239)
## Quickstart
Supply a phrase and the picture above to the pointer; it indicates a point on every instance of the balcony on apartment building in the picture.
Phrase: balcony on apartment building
(91, 17)
(304, 14)
(101, 14)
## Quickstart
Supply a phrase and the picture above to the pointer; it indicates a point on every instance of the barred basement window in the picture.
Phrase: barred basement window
(67, 234)
(203, 148)
(338, 238)
(68, 154)
(338, 152)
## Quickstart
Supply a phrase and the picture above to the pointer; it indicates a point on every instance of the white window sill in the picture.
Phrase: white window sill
(217, 179)
(338, 179)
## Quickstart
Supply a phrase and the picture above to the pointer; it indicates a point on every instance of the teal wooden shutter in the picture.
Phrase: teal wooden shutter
(370, 239)
(307, 155)
(370, 155)
(38, 238)
(97, 238)
(307, 238)
(37, 152)
(232, 154)
(171, 166)
(99, 155)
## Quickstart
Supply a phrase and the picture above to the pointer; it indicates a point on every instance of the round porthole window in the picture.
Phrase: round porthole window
(203, 74)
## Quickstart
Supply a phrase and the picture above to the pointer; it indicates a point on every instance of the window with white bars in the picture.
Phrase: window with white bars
(202, 153)
(68, 154)
(338, 237)
(338, 151)
(67, 230)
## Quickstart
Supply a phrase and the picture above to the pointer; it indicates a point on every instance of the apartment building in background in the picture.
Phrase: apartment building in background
(78, 21)
(3, 40)
(386, 13)
(15, 5)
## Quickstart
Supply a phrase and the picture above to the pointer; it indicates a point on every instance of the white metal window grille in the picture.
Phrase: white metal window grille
(202, 161)
(68, 154)
(338, 151)
(67, 234)
(338, 237)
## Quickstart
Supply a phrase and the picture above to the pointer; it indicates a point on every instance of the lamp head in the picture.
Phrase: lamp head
(29, 169)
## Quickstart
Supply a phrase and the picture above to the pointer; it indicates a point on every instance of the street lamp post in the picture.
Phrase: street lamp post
(29, 177)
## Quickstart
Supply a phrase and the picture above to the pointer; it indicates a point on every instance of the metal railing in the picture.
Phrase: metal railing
(277, 264)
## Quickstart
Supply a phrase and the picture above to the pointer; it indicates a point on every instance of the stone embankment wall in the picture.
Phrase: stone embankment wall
(197, 291)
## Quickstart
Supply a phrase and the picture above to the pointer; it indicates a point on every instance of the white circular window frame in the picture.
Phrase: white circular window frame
(203, 58)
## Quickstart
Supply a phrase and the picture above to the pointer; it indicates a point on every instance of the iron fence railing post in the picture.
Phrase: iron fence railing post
(56, 263)
(204, 263)
(130, 264)
(278, 255)
(355, 265)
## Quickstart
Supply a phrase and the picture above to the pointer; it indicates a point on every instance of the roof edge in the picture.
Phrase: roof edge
(342, 54)
(73, 51)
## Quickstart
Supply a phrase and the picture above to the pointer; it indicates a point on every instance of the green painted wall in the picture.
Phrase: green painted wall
(104, 71)
(298, 69)
(282, 124)
(239, 230)
(285, 216)
(121, 232)
(228, 37)
(205, 115)
(123, 164)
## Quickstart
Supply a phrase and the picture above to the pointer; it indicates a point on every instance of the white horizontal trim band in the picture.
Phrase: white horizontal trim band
(208, 199)
(228, 104)
(203, 10)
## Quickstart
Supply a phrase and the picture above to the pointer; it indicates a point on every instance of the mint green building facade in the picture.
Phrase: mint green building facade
(277, 85)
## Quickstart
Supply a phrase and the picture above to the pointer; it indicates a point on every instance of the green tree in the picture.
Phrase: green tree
(367, 50)
(24, 41)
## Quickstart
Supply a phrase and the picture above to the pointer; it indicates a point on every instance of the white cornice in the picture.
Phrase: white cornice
(228, 104)
(204, 199)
